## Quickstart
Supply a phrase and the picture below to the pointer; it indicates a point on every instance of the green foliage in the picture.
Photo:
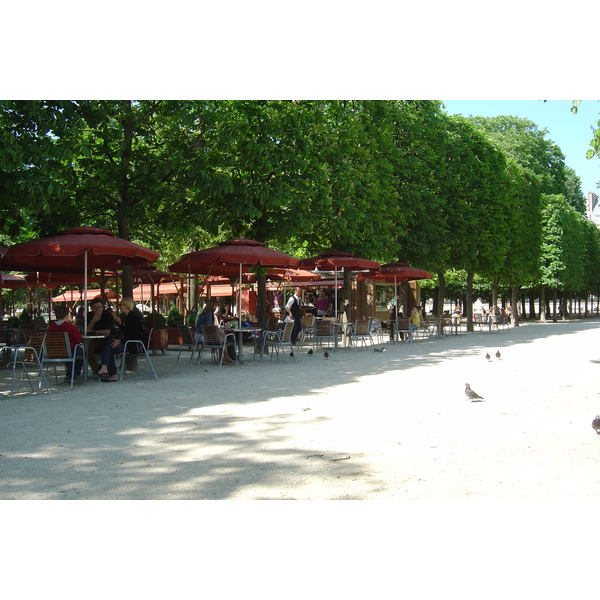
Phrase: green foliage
(594, 149)
(174, 317)
(563, 245)
(159, 321)
(386, 180)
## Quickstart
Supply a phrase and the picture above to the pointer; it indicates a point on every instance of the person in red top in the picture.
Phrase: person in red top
(63, 324)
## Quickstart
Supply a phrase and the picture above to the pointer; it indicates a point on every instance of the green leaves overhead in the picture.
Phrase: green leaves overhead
(386, 180)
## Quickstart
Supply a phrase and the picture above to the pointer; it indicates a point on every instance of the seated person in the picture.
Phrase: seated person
(209, 317)
(63, 325)
(100, 322)
(413, 322)
(131, 325)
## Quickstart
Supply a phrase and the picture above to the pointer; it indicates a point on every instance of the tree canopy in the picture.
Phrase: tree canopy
(387, 180)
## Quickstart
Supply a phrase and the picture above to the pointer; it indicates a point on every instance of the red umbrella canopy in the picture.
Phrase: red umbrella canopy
(152, 275)
(330, 261)
(77, 295)
(54, 280)
(404, 270)
(232, 253)
(12, 282)
(397, 272)
(68, 248)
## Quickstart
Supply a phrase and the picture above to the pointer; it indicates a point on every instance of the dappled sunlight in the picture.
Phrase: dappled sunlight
(360, 425)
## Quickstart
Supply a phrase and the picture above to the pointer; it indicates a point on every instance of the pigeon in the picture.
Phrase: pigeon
(378, 349)
(310, 352)
(488, 356)
(326, 355)
(596, 424)
(473, 396)
(498, 354)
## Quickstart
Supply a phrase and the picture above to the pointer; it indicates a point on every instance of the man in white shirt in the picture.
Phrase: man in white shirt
(292, 308)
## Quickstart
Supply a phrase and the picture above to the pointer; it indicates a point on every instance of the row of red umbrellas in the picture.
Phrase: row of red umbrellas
(76, 250)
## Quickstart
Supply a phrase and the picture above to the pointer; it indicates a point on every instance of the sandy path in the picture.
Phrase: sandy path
(361, 425)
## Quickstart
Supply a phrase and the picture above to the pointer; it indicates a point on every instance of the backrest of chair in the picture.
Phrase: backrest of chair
(287, 331)
(272, 323)
(307, 320)
(212, 335)
(57, 345)
(403, 323)
(36, 340)
(186, 334)
(361, 327)
(323, 327)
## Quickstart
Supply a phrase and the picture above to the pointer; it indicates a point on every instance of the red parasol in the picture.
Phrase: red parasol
(239, 253)
(397, 271)
(13, 282)
(78, 248)
(71, 248)
(334, 260)
(54, 280)
(77, 295)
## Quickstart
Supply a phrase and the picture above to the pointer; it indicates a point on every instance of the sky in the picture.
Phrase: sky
(570, 132)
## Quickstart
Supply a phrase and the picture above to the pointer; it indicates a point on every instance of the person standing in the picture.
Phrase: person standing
(292, 308)
(394, 315)
(322, 305)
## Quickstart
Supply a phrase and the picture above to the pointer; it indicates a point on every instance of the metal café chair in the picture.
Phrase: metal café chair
(323, 330)
(214, 341)
(57, 350)
(28, 355)
(361, 333)
(278, 340)
(188, 340)
(139, 349)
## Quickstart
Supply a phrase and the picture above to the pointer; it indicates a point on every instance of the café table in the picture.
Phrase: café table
(240, 337)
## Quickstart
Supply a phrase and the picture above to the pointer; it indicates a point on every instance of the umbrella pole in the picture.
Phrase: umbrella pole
(396, 302)
(336, 296)
(240, 299)
(85, 286)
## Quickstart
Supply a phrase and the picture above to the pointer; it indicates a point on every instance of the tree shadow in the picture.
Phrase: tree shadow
(192, 440)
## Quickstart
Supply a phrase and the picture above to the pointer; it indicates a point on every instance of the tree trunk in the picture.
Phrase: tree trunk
(469, 301)
(515, 306)
(261, 300)
(532, 315)
(554, 301)
(439, 309)
(543, 304)
(123, 193)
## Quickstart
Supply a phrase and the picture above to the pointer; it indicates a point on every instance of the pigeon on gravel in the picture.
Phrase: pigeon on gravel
(596, 424)
(498, 354)
(378, 349)
(326, 355)
(473, 396)
(488, 355)
(310, 352)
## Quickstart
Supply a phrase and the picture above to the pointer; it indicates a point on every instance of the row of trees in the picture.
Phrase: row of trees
(386, 180)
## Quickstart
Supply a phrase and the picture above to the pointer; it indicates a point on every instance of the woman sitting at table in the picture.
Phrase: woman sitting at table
(209, 317)
(132, 328)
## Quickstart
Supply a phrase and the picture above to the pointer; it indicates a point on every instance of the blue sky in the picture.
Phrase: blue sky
(571, 133)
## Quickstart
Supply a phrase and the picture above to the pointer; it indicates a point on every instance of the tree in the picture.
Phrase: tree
(563, 247)
(102, 163)
(475, 188)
